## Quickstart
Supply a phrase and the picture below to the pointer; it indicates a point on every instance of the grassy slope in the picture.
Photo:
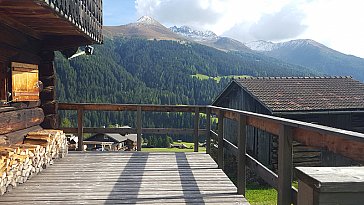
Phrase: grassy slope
(188, 144)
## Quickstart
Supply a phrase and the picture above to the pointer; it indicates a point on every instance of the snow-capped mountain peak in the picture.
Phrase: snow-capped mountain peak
(302, 42)
(261, 45)
(265, 46)
(193, 33)
(147, 20)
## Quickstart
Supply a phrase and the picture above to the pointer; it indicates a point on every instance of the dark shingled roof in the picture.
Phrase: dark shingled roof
(306, 93)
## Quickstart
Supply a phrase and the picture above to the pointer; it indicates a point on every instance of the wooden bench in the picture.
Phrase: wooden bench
(330, 185)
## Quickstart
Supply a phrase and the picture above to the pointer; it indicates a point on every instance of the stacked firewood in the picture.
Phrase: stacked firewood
(19, 162)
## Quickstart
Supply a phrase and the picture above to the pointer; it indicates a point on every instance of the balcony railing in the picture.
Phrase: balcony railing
(85, 14)
(346, 143)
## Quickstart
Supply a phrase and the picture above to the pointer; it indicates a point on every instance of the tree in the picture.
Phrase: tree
(66, 123)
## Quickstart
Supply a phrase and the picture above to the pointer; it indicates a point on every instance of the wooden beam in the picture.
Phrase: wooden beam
(213, 135)
(195, 128)
(263, 124)
(276, 121)
(263, 172)
(231, 115)
(220, 151)
(208, 133)
(256, 167)
(241, 155)
(80, 129)
(285, 165)
(20, 119)
(123, 131)
(130, 107)
(18, 136)
(19, 27)
(139, 128)
(339, 145)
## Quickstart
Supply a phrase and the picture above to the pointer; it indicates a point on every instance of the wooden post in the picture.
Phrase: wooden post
(208, 131)
(220, 149)
(139, 128)
(195, 132)
(241, 154)
(80, 129)
(284, 165)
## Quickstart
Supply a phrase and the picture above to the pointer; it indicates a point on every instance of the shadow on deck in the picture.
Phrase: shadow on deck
(129, 178)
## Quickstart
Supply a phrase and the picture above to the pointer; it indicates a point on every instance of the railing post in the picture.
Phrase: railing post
(195, 132)
(80, 129)
(220, 148)
(284, 165)
(241, 154)
(208, 131)
(139, 128)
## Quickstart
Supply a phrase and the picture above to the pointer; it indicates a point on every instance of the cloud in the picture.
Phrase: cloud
(337, 23)
(267, 19)
(284, 24)
(180, 12)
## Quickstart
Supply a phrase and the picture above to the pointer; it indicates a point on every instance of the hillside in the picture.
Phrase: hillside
(146, 28)
(209, 38)
(308, 53)
(133, 70)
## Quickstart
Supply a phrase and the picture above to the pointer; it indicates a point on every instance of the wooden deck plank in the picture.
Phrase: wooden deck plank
(128, 178)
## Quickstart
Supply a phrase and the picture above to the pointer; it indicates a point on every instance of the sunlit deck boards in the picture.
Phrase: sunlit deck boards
(128, 178)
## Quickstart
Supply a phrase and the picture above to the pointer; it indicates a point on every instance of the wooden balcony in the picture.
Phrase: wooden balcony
(182, 167)
(60, 24)
(347, 143)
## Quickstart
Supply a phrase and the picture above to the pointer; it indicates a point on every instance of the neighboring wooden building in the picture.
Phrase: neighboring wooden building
(126, 142)
(30, 32)
(332, 101)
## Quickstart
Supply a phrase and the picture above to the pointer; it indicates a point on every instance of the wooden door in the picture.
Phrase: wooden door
(24, 82)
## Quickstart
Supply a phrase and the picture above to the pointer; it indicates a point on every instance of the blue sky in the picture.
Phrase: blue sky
(336, 23)
(119, 12)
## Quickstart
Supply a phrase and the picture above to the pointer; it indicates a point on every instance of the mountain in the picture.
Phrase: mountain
(136, 70)
(309, 53)
(209, 38)
(193, 34)
(146, 27)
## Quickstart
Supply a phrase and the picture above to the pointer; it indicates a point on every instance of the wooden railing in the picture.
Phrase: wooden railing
(346, 143)
(85, 14)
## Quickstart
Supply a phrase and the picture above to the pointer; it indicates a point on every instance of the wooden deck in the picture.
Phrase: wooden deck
(128, 178)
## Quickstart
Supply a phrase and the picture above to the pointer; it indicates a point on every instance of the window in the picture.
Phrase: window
(25, 85)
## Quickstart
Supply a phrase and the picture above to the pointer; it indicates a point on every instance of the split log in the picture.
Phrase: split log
(20, 119)
(19, 162)
(25, 105)
(18, 136)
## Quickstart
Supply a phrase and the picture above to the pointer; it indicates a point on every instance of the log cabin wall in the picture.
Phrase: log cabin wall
(18, 118)
(30, 32)
(49, 104)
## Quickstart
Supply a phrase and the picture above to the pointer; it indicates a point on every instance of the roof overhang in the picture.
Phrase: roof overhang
(230, 88)
(60, 24)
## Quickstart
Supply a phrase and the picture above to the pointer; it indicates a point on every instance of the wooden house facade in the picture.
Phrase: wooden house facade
(120, 142)
(30, 32)
(332, 101)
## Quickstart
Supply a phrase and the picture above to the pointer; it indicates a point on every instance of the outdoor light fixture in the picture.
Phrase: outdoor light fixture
(89, 50)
